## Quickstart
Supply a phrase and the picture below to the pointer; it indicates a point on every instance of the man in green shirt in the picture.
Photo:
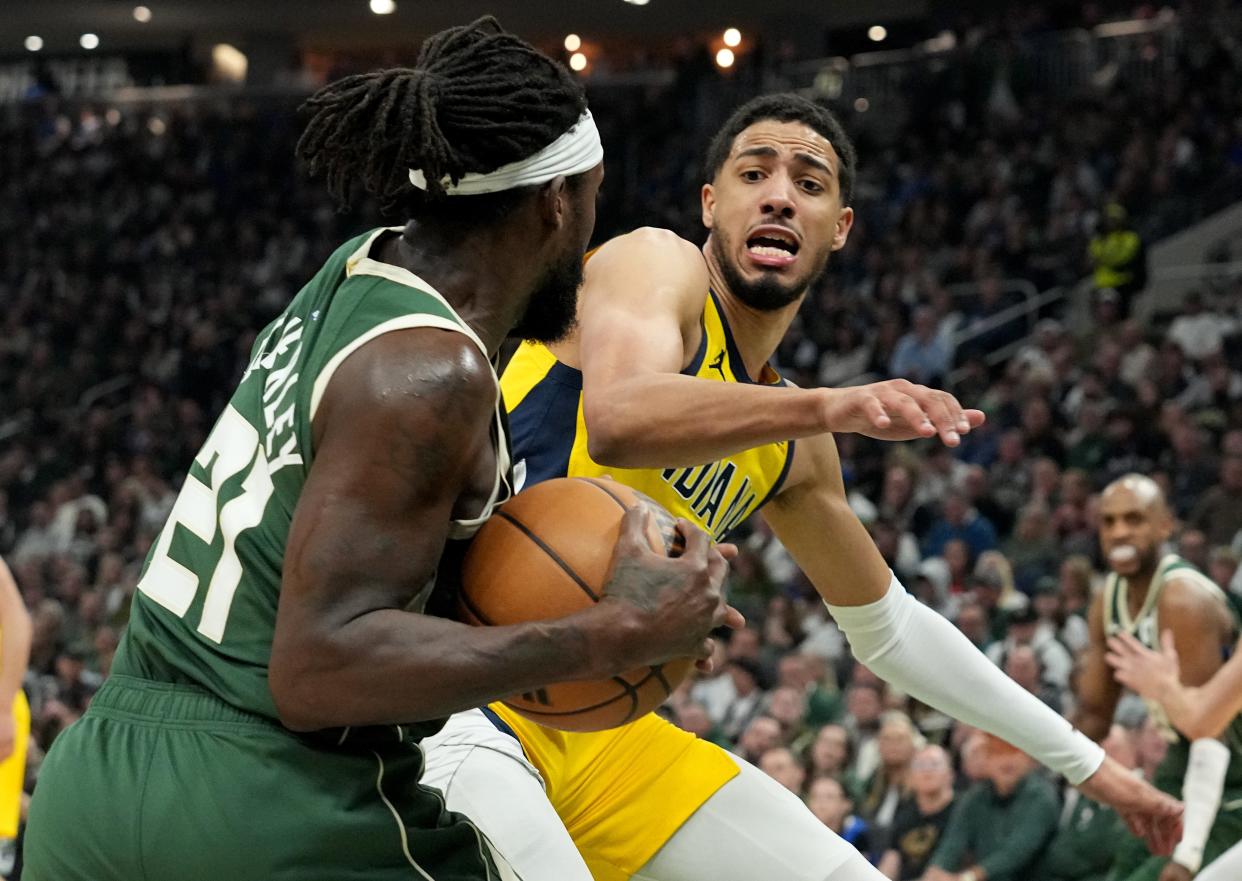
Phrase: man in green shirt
(1000, 826)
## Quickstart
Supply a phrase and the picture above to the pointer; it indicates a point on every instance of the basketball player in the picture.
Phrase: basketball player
(264, 710)
(1197, 713)
(666, 387)
(15, 718)
(1147, 594)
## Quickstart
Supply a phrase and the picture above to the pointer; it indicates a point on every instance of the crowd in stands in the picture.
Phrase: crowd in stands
(145, 246)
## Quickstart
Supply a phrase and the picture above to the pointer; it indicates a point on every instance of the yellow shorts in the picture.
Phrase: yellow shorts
(13, 770)
(624, 792)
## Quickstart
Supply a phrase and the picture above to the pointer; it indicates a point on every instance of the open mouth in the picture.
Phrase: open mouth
(772, 246)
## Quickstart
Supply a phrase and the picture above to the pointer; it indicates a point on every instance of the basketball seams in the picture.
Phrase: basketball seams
(606, 491)
(551, 552)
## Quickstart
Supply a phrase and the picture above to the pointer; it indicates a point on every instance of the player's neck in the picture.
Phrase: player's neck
(477, 274)
(756, 332)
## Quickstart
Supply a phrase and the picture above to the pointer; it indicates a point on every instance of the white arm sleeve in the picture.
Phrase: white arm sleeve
(917, 650)
(1201, 791)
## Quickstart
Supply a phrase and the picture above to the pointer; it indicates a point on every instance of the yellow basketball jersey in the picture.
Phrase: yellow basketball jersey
(544, 400)
(623, 793)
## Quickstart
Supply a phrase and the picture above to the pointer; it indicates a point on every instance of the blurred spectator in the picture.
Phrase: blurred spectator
(747, 697)
(879, 796)
(830, 755)
(1118, 256)
(1032, 550)
(830, 803)
(782, 766)
(921, 356)
(1023, 667)
(1197, 331)
(1001, 824)
(1219, 512)
(864, 705)
(922, 817)
(1023, 630)
(958, 520)
(1070, 629)
(762, 734)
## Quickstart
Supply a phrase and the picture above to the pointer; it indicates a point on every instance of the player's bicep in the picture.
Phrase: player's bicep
(641, 298)
(398, 434)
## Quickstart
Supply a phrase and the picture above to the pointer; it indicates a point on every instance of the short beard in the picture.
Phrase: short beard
(553, 308)
(766, 294)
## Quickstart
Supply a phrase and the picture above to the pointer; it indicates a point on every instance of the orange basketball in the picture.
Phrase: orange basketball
(545, 554)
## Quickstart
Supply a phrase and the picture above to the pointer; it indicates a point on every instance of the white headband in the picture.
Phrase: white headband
(574, 152)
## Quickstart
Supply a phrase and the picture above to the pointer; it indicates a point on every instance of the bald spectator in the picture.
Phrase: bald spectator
(781, 765)
(922, 816)
(1001, 825)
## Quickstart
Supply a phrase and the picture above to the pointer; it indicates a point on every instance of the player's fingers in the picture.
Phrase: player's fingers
(705, 665)
(975, 418)
(728, 550)
(876, 414)
(705, 650)
(633, 534)
(942, 409)
(909, 411)
(733, 619)
(697, 543)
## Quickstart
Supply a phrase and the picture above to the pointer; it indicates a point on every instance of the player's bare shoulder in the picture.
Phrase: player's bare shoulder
(1189, 596)
(652, 265)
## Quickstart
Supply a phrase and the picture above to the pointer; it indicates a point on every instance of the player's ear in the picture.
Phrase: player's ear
(708, 197)
(842, 232)
(554, 202)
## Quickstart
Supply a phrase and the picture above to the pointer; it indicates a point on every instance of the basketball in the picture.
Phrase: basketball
(546, 554)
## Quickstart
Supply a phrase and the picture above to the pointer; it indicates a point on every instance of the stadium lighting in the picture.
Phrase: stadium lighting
(383, 7)
(142, 14)
(88, 41)
(877, 32)
(638, 2)
(578, 61)
(862, 105)
(732, 37)
(724, 58)
(34, 43)
(573, 43)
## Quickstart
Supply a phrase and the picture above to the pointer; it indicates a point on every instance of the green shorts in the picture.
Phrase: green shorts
(159, 782)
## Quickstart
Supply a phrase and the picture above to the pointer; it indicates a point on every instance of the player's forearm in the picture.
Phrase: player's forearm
(667, 420)
(1207, 710)
(1202, 789)
(392, 667)
(15, 637)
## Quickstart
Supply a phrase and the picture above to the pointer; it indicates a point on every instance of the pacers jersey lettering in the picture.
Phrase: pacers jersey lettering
(544, 400)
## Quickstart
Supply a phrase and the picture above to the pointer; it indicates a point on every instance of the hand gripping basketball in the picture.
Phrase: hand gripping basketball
(674, 602)
(651, 586)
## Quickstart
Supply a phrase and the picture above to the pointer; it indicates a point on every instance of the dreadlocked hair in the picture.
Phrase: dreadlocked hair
(476, 99)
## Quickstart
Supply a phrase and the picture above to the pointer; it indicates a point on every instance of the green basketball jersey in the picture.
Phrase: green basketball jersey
(1145, 627)
(205, 609)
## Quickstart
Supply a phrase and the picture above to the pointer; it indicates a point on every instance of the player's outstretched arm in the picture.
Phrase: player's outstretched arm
(639, 314)
(1197, 712)
(920, 652)
(403, 427)
(15, 635)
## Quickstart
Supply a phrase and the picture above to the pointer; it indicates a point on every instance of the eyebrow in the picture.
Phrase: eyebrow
(771, 153)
